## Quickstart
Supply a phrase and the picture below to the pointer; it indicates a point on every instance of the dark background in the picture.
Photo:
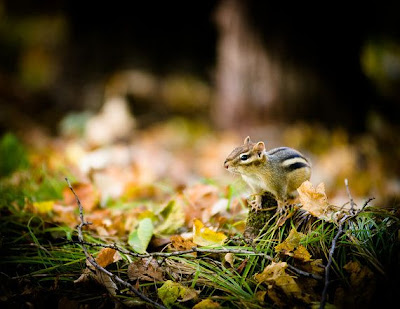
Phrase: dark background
(97, 39)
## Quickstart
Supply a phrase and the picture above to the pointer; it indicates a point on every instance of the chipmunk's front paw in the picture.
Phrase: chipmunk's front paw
(283, 208)
(255, 202)
(254, 205)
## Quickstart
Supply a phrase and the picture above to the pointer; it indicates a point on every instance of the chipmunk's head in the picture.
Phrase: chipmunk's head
(246, 158)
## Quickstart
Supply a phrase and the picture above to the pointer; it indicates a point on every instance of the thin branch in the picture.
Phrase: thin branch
(352, 204)
(366, 203)
(328, 265)
(203, 250)
(97, 266)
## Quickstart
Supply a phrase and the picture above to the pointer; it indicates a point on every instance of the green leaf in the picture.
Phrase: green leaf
(139, 239)
(172, 292)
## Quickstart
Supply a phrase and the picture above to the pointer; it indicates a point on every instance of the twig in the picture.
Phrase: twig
(328, 265)
(352, 204)
(366, 203)
(203, 250)
(97, 266)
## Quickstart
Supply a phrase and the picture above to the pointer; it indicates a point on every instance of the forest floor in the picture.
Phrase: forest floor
(167, 222)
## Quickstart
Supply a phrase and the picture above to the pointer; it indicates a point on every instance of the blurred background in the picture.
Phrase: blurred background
(169, 89)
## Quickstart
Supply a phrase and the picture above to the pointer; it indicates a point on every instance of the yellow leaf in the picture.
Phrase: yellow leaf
(291, 246)
(277, 280)
(275, 274)
(302, 254)
(207, 304)
(291, 242)
(44, 206)
(315, 201)
(204, 236)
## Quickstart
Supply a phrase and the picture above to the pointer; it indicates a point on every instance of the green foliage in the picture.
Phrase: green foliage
(13, 155)
(140, 238)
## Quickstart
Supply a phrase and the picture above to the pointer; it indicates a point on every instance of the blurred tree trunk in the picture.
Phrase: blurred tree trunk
(246, 78)
(277, 64)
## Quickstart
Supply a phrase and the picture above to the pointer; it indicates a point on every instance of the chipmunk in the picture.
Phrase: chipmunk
(279, 171)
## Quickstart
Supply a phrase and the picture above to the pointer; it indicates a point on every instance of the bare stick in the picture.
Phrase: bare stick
(97, 266)
(352, 204)
(202, 250)
(328, 265)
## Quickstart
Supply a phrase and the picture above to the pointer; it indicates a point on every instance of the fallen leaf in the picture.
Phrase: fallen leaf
(207, 304)
(301, 254)
(179, 243)
(260, 295)
(107, 256)
(171, 292)
(145, 269)
(315, 201)
(140, 238)
(43, 207)
(106, 281)
(229, 258)
(204, 236)
(291, 246)
(277, 280)
(172, 218)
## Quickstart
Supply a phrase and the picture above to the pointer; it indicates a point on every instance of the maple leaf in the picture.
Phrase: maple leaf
(204, 236)
(315, 201)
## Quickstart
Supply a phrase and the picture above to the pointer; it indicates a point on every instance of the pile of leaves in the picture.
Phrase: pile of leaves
(173, 239)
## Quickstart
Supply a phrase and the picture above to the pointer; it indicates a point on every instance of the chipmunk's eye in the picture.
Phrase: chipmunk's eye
(244, 157)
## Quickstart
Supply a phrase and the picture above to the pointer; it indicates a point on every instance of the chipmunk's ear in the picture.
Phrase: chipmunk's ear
(259, 148)
(247, 140)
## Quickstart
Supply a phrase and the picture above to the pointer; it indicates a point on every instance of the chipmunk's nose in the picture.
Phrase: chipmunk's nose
(226, 165)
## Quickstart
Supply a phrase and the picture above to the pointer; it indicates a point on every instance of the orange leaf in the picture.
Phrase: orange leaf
(107, 256)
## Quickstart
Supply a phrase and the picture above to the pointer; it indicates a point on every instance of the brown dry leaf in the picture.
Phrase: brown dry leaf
(291, 246)
(204, 236)
(87, 194)
(179, 243)
(361, 290)
(361, 276)
(315, 201)
(106, 281)
(145, 269)
(107, 256)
